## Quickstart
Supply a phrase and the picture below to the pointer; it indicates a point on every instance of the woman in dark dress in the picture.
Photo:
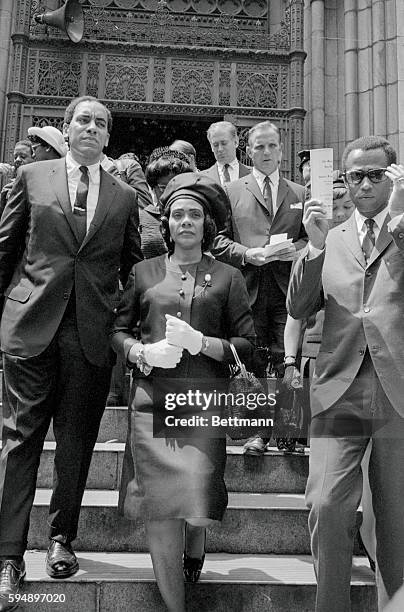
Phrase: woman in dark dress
(185, 307)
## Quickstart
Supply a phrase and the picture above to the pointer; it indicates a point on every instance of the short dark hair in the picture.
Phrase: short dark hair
(369, 143)
(263, 125)
(209, 230)
(69, 112)
(164, 161)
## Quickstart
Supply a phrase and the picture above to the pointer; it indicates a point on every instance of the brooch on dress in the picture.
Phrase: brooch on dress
(207, 282)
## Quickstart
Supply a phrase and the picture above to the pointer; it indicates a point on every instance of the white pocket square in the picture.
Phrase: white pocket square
(298, 205)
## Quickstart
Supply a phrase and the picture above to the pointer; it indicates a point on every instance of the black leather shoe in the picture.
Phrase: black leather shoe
(61, 562)
(193, 568)
(12, 575)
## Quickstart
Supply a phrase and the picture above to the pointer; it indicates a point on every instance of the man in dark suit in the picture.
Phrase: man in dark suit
(356, 270)
(67, 230)
(264, 204)
(223, 141)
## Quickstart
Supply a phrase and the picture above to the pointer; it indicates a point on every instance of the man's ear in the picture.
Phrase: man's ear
(107, 140)
(65, 129)
(236, 140)
(248, 151)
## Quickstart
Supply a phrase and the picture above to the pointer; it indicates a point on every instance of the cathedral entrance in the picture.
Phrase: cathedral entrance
(141, 134)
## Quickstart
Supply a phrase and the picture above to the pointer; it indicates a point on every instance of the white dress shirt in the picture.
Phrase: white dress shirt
(274, 178)
(361, 229)
(361, 225)
(233, 169)
(73, 178)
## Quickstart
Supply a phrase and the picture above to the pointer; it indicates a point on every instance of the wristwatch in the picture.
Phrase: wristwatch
(141, 362)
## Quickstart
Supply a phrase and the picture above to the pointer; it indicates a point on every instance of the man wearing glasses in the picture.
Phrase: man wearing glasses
(356, 270)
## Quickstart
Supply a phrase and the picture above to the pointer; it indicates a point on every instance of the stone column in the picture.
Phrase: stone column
(20, 38)
(297, 57)
(317, 73)
(351, 70)
(6, 20)
(379, 68)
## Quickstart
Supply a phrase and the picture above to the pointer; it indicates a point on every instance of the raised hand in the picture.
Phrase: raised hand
(395, 172)
(315, 222)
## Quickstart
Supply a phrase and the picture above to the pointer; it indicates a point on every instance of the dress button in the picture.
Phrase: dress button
(401, 235)
(182, 292)
(361, 351)
(179, 315)
(65, 295)
(183, 277)
(368, 273)
(366, 309)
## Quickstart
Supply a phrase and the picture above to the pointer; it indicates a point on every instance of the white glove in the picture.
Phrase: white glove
(181, 334)
(162, 355)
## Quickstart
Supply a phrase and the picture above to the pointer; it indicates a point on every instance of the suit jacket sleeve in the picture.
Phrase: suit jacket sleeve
(13, 228)
(133, 176)
(225, 248)
(131, 251)
(239, 319)
(126, 323)
(305, 294)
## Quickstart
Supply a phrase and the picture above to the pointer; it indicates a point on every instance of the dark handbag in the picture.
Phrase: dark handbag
(243, 387)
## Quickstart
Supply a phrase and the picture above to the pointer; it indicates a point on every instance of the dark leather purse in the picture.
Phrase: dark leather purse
(243, 386)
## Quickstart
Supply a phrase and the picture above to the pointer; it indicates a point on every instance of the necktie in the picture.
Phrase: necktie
(226, 173)
(369, 239)
(267, 193)
(80, 205)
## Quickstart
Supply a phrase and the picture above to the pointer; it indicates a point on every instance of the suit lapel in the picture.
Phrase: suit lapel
(253, 187)
(350, 236)
(383, 240)
(106, 196)
(282, 192)
(58, 180)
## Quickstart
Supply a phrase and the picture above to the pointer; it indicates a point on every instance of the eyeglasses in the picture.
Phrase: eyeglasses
(35, 146)
(355, 177)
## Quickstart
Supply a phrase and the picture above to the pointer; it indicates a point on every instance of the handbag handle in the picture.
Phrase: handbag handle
(237, 359)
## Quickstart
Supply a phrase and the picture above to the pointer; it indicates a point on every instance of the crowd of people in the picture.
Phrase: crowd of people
(106, 268)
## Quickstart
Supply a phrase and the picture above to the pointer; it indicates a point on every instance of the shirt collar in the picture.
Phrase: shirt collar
(378, 219)
(72, 166)
(106, 163)
(260, 176)
(233, 165)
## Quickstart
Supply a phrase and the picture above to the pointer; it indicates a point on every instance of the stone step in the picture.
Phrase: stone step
(274, 472)
(114, 425)
(265, 523)
(124, 582)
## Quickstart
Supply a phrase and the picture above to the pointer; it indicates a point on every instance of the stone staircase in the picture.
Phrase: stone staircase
(257, 560)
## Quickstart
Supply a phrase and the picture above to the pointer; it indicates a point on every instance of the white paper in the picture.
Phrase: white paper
(271, 249)
(321, 170)
(276, 238)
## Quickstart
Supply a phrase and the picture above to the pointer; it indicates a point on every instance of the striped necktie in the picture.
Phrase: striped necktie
(226, 173)
(369, 239)
(267, 193)
(80, 205)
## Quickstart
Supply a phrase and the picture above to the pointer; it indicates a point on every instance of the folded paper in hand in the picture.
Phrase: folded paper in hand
(272, 249)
